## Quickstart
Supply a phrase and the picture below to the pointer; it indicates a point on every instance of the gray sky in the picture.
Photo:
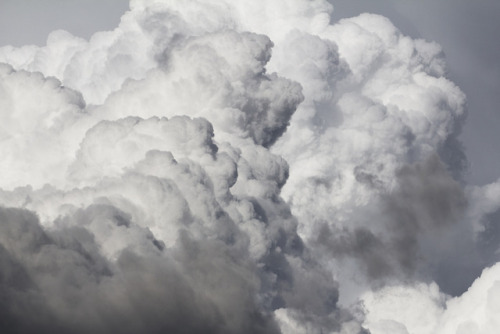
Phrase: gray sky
(467, 30)
(30, 21)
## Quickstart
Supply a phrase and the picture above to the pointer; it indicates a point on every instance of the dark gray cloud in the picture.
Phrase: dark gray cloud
(420, 217)
(428, 201)
(58, 282)
(361, 244)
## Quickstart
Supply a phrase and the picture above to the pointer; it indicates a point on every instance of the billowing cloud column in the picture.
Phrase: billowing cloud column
(238, 167)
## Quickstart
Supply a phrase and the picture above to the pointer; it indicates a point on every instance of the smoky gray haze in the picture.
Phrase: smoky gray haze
(302, 166)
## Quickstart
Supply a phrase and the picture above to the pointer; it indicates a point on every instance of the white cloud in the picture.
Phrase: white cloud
(233, 159)
(423, 309)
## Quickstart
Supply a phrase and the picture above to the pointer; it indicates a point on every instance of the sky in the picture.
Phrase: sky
(227, 166)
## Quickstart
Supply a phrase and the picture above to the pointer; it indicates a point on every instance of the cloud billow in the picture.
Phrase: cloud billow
(228, 167)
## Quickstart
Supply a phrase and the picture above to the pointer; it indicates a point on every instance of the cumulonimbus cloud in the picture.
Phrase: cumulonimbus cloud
(249, 167)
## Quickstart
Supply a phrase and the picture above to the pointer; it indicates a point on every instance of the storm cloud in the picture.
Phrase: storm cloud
(239, 167)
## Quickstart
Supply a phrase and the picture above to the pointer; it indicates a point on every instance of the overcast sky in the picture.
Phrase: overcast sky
(467, 31)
